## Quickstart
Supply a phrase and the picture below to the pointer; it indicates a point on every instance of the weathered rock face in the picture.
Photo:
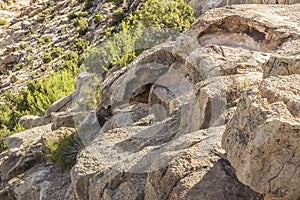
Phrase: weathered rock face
(262, 34)
(39, 183)
(173, 171)
(262, 139)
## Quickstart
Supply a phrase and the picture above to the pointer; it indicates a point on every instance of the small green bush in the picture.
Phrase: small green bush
(3, 22)
(72, 16)
(41, 19)
(4, 133)
(47, 39)
(71, 55)
(9, 2)
(110, 31)
(47, 58)
(44, 40)
(70, 65)
(56, 52)
(172, 14)
(20, 66)
(82, 14)
(81, 25)
(88, 4)
(63, 152)
(98, 19)
(77, 15)
(117, 16)
(81, 44)
(49, 4)
(40, 41)
(30, 60)
(117, 51)
(71, 61)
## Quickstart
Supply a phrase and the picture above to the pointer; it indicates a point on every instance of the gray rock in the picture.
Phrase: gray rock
(30, 121)
(169, 171)
(42, 182)
(10, 59)
(262, 139)
(278, 65)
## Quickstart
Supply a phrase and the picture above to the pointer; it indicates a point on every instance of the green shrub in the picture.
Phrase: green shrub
(4, 133)
(43, 93)
(41, 19)
(72, 16)
(77, 15)
(30, 60)
(18, 128)
(71, 55)
(81, 44)
(63, 152)
(71, 61)
(81, 25)
(40, 41)
(47, 58)
(56, 52)
(172, 14)
(4, 7)
(98, 19)
(82, 14)
(117, 16)
(9, 2)
(117, 51)
(110, 31)
(44, 40)
(88, 4)
(3, 22)
(20, 66)
(49, 4)
(70, 65)
(47, 39)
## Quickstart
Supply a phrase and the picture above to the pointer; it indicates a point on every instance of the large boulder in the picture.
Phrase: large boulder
(42, 181)
(262, 139)
(247, 28)
(121, 164)
(25, 171)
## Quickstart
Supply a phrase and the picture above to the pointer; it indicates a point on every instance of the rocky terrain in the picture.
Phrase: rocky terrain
(213, 115)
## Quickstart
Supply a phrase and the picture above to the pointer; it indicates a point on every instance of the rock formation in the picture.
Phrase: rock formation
(213, 115)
